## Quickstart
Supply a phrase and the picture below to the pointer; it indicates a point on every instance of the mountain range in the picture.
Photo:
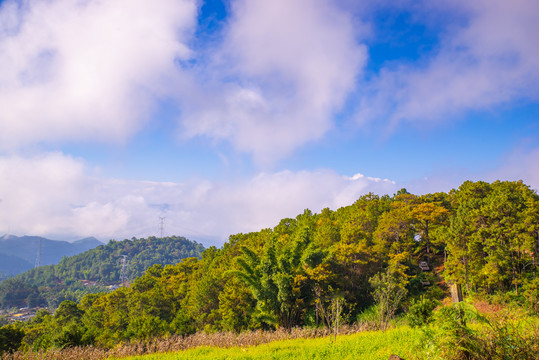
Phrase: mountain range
(19, 253)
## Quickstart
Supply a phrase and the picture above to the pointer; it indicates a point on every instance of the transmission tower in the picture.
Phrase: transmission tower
(123, 271)
(38, 256)
(161, 226)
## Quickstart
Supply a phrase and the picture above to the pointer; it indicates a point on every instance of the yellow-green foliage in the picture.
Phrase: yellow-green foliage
(461, 332)
(366, 345)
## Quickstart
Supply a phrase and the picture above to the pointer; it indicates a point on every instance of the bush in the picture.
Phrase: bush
(420, 312)
(70, 336)
(500, 337)
(10, 338)
(456, 339)
(389, 291)
(507, 336)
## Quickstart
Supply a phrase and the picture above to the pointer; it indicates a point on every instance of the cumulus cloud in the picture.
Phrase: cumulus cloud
(53, 194)
(73, 70)
(283, 69)
(272, 81)
(487, 56)
(57, 195)
(95, 70)
(263, 200)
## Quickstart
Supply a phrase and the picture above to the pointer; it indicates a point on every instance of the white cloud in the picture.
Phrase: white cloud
(59, 196)
(272, 81)
(262, 201)
(487, 56)
(283, 69)
(95, 70)
(74, 70)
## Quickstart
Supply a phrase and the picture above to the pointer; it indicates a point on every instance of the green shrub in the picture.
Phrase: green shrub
(10, 338)
(71, 335)
(420, 312)
(459, 332)
(456, 339)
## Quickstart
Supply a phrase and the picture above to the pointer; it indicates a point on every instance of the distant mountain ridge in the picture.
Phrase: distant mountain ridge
(18, 253)
(94, 270)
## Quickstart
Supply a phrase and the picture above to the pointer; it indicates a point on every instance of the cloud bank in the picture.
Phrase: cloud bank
(55, 194)
(62, 197)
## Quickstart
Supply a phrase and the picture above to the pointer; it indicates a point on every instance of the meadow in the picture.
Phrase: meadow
(369, 345)
(461, 331)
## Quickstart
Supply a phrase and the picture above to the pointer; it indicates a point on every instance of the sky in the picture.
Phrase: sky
(223, 117)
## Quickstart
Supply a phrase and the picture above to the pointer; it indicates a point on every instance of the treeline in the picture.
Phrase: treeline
(93, 270)
(482, 236)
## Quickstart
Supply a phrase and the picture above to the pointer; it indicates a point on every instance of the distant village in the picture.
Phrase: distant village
(22, 314)
(26, 313)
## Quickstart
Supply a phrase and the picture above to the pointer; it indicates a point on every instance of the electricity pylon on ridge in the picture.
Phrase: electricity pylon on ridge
(123, 272)
(161, 225)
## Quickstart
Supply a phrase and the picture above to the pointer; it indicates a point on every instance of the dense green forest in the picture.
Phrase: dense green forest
(93, 270)
(358, 259)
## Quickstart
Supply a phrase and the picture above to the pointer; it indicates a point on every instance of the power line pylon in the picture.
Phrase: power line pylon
(161, 226)
(123, 271)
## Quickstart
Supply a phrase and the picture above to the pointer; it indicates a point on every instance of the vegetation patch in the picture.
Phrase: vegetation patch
(366, 345)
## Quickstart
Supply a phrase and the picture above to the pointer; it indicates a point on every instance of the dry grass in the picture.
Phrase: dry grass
(178, 343)
(487, 308)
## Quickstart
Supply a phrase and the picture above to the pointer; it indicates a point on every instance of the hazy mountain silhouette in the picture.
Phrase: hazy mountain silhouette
(18, 254)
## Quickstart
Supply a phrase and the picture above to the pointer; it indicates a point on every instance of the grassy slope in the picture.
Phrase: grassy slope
(367, 345)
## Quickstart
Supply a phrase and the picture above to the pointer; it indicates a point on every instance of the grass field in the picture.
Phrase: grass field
(367, 345)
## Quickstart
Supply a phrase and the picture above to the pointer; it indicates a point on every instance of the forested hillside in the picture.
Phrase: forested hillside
(92, 270)
(363, 256)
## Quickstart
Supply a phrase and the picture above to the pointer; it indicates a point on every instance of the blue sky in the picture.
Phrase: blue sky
(226, 116)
